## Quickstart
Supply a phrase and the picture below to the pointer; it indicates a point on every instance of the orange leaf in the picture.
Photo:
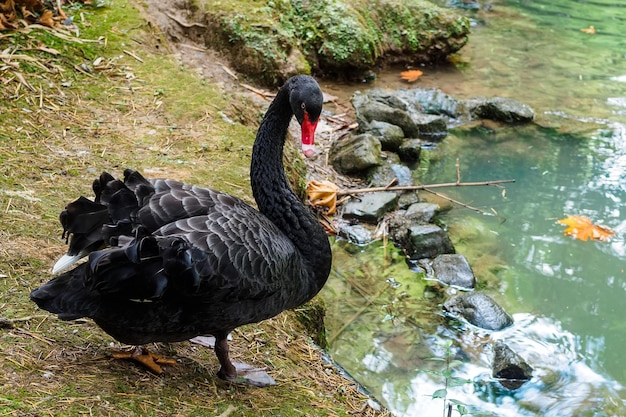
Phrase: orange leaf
(323, 193)
(47, 18)
(411, 75)
(590, 30)
(581, 227)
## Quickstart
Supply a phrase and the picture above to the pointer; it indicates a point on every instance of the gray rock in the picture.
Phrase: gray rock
(421, 212)
(408, 198)
(433, 101)
(390, 136)
(415, 214)
(479, 310)
(382, 175)
(371, 111)
(431, 127)
(508, 367)
(397, 108)
(454, 270)
(370, 207)
(355, 154)
(506, 110)
(355, 233)
(427, 241)
(410, 150)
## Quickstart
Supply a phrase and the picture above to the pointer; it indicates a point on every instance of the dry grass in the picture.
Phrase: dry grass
(69, 109)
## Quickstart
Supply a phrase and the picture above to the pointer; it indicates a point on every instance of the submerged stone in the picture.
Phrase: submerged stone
(506, 110)
(427, 241)
(511, 370)
(454, 270)
(480, 310)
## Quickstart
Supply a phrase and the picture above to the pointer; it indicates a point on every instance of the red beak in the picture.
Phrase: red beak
(308, 130)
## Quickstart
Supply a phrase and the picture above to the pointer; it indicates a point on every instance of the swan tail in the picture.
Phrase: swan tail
(110, 276)
(66, 296)
(89, 225)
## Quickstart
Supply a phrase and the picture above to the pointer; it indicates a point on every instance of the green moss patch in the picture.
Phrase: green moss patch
(271, 40)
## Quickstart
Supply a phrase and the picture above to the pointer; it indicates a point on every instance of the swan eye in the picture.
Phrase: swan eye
(303, 106)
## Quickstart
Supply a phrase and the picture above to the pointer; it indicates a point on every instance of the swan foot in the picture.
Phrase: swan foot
(247, 375)
(143, 356)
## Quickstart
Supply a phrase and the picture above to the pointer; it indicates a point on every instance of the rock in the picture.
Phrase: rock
(371, 207)
(427, 241)
(434, 101)
(348, 37)
(390, 170)
(421, 212)
(431, 127)
(393, 108)
(454, 270)
(416, 214)
(355, 154)
(408, 198)
(506, 110)
(354, 233)
(390, 136)
(368, 111)
(479, 310)
(410, 150)
(508, 367)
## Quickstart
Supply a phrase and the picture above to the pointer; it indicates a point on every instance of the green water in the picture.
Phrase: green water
(568, 296)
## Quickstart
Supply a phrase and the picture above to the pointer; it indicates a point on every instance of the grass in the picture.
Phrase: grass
(117, 97)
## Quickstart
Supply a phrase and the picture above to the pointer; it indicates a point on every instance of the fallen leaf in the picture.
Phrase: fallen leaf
(323, 194)
(581, 227)
(411, 75)
(47, 18)
(590, 30)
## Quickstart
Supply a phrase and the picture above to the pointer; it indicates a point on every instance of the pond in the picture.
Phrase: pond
(567, 296)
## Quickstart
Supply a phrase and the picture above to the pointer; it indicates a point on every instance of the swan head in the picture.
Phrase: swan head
(306, 101)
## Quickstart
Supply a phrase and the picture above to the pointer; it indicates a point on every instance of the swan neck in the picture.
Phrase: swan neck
(276, 199)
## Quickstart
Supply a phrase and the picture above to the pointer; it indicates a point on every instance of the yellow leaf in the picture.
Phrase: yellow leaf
(581, 227)
(324, 194)
(590, 30)
(411, 75)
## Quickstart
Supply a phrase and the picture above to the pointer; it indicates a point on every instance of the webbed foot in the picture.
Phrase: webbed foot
(149, 360)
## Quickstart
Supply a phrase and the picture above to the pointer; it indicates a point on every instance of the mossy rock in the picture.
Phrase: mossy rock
(311, 315)
(274, 39)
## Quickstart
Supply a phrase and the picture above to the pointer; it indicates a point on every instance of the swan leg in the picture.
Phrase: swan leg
(239, 373)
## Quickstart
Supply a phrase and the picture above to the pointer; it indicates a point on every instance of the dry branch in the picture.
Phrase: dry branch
(423, 187)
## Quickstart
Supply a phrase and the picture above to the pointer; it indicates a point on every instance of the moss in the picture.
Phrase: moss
(271, 40)
(312, 315)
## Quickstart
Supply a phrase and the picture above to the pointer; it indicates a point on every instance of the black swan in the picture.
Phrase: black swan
(200, 274)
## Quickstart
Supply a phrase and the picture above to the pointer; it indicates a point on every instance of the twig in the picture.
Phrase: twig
(422, 187)
(257, 91)
(459, 203)
(132, 54)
